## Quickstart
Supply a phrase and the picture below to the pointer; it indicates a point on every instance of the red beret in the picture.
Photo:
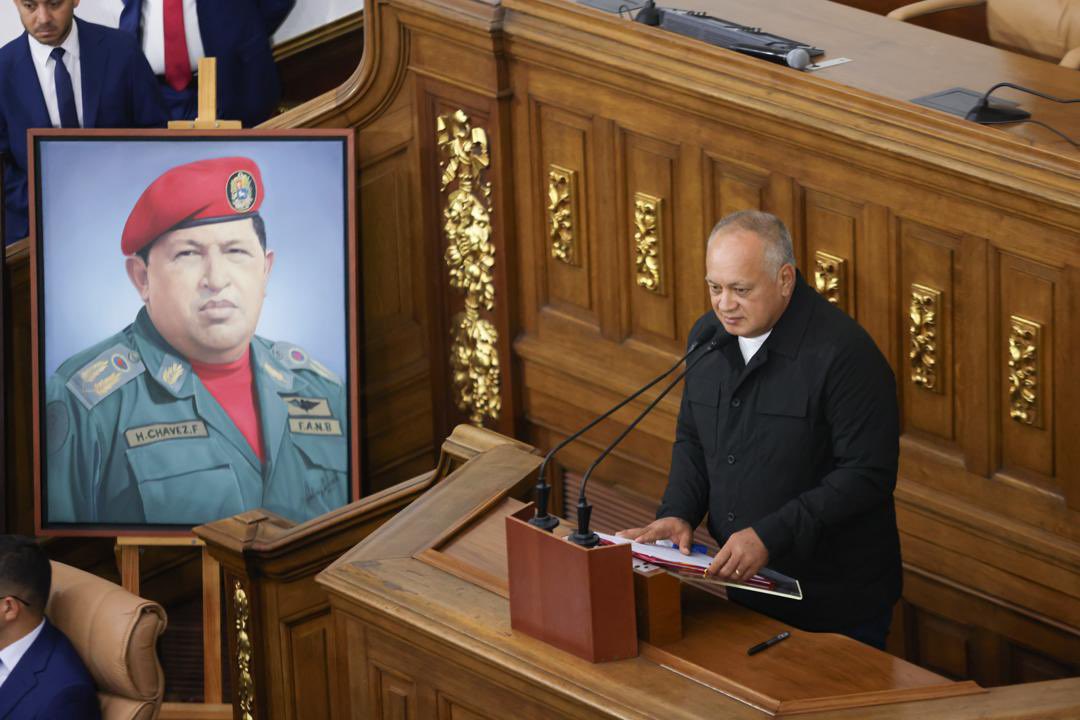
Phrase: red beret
(206, 191)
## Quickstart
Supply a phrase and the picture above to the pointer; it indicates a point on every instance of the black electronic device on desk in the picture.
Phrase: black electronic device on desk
(730, 35)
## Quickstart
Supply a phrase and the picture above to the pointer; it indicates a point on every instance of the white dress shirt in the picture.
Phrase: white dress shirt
(13, 653)
(153, 34)
(46, 72)
(749, 346)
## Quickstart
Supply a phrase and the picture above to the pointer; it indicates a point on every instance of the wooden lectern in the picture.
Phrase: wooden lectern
(578, 599)
(423, 618)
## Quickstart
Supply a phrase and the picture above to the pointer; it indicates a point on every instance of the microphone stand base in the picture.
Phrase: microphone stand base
(547, 522)
(589, 540)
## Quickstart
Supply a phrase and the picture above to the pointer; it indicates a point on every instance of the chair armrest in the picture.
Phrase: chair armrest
(1071, 59)
(926, 7)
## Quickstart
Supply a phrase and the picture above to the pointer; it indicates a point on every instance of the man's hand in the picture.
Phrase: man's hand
(740, 558)
(677, 530)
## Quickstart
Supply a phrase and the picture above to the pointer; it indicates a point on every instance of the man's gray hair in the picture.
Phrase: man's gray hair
(768, 227)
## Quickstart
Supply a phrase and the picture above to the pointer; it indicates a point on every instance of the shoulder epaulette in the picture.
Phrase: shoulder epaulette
(105, 374)
(295, 357)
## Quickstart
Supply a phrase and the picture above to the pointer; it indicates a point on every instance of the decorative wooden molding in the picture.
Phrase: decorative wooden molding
(648, 242)
(470, 256)
(1024, 351)
(563, 213)
(245, 680)
(830, 278)
(925, 347)
(353, 22)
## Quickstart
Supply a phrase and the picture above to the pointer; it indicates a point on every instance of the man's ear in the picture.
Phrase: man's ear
(9, 609)
(139, 275)
(268, 264)
(787, 279)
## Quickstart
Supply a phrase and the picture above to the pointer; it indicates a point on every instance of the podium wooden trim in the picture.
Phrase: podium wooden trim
(429, 583)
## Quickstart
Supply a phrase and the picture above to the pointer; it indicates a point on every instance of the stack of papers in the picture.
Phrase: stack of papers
(693, 567)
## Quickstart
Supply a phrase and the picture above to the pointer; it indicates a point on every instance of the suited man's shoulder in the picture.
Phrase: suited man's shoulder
(71, 669)
(64, 686)
(92, 33)
(13, 49)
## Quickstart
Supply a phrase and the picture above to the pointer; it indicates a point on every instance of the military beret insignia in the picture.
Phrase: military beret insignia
(241, 191)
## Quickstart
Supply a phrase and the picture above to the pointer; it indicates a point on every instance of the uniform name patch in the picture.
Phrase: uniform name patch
(165, 431)
(312, 426)
(307, 406)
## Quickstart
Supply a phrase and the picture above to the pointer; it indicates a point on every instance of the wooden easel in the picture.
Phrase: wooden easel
(207, 117)
(128, 548)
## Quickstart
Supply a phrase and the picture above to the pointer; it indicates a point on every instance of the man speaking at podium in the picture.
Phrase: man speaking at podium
(788, 439)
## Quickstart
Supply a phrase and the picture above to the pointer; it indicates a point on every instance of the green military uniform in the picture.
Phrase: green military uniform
(133, 436)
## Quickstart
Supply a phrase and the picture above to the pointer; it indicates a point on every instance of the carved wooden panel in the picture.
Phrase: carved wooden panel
(310, 655)
(833, 228)
(394, 697)
(972, 636)
(733, 187)
(389, 255)
(648, 241)
(398, 426)
(467, 214)
(1024, 352)
(565, 203)
(925, 302)
(421, 684)
(942, 645)
(1026, 665)
(453, 709)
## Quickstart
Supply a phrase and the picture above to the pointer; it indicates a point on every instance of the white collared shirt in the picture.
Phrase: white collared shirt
(749, 346)
(153, 34)
(13, 653)
(46, 72)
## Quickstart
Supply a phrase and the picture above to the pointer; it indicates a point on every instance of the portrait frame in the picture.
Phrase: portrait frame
(310, 216)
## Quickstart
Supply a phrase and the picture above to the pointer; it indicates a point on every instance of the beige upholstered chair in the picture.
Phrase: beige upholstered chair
(1047, 29)
(115, 633)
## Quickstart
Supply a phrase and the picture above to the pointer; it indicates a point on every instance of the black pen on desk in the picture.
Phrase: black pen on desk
(768, 643)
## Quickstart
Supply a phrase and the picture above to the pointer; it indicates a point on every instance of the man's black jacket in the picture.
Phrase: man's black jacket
(801, 445)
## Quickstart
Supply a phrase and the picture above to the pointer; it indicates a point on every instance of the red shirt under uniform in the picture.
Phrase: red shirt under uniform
(232, 385)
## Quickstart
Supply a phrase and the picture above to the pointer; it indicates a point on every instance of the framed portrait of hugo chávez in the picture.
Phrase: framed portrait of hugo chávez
(195, 320)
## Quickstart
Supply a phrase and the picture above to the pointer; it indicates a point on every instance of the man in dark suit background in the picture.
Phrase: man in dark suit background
(788, 438)
(174, 34)
(64, 72)
(41, 675)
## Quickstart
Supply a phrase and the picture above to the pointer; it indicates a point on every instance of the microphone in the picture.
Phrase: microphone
(584, 536)
(796, 58)
(648, 14)
(541, 518)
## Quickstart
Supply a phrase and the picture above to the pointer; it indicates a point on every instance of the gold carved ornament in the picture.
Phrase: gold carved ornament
(562, 213)
(647, 242)
(245, 683)
(1023, 361)
(830, 278)
(924, 349)
(470, 257)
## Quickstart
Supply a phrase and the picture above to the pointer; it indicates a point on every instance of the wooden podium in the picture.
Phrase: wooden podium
(423, 620)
